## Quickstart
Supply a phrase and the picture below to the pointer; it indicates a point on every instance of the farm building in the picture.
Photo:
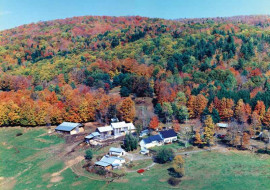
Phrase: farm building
(122, 128)
(144, 151)
(105, 132)
(116, 152)
(222, 128)
(92, 136)
(223, 125)
(155, 140)
(110, 162)
(117, 129)
(168, 136)
(70, 128)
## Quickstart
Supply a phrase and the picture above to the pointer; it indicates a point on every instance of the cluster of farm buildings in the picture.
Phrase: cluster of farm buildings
(117, 129)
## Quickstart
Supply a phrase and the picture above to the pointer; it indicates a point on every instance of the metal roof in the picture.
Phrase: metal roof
(108, 160)
(100, 163)
(92, 135)
(118, 150)
(119, 124)
(152, 138)
(104, 129)
(168, 133)
(67, 126)
(122, 124)
(225, 125)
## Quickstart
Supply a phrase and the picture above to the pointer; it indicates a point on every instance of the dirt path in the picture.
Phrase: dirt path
(56, 176)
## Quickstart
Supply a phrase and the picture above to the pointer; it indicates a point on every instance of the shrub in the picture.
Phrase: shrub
(263, 151)
(88, 154)
(101, 171)
(164, 155)
(173, 181)
(18, 134)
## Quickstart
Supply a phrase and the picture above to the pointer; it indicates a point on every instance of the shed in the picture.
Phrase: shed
(223, 125)
(92, 136)
(116, 151)
(70, 128)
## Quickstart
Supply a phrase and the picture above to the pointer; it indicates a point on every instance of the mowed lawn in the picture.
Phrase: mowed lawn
(28, 162)
(208, 170)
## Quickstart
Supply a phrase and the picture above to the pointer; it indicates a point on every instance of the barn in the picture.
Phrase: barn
(70, 128)
(110, 162)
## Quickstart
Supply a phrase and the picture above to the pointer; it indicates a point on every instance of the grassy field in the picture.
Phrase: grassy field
(36, 160)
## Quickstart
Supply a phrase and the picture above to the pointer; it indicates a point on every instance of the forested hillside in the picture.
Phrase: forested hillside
(64, 69)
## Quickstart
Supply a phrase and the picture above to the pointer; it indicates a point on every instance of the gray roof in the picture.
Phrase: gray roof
(67, 126)
(108, 160)
(224, 125)
(123, 124)
(104, 129)
(100, 163)
(92, 135)
(118, 150)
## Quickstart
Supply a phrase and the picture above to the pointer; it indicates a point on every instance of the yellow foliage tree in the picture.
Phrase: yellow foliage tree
(209, 130)
(178, 165)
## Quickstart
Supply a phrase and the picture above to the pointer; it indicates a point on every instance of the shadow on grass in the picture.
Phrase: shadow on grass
(172, 173)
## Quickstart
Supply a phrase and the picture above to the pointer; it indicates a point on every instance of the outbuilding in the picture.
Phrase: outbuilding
(116, 152)
(70, 128)
(222, 128)
(110, 162)
(92, 136)
(223, 125)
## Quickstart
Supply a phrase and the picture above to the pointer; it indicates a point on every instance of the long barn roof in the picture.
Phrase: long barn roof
(67, 126)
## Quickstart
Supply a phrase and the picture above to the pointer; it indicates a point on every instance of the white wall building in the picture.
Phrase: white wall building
(151, 141)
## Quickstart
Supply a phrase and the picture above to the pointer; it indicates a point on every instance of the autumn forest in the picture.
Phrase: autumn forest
(64, 70)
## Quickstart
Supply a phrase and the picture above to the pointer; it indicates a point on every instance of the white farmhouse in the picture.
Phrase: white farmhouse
(116, 129)
(168, 136)
(122, 128)
(105, 132)
(151, 141)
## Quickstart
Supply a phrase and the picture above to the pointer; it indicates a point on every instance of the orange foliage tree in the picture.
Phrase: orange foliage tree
(154, 123)
(196, 105)
(127, 109)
